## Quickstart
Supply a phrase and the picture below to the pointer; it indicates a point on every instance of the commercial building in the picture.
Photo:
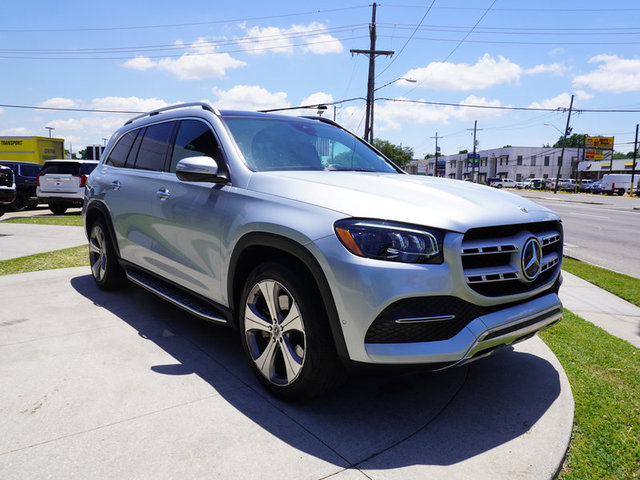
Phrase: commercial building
(517, 163)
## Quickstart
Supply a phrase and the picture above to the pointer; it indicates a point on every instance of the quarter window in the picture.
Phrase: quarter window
(118, 155)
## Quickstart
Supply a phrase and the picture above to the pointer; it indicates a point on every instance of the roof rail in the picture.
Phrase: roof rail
(204, 105)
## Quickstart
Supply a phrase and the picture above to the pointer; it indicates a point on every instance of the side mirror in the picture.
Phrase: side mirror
(200, 169)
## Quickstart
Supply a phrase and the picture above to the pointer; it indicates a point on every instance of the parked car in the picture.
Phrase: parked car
(503, 183)
(538, 184)
(527, 183)
(568, 185)
(584, 185)
(7, 189)
(618, 183)
(315, 247)
(26, 177)
(61, 183)
(595, 186)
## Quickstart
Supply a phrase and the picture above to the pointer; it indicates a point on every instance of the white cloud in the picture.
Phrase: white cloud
(318, 98)
(128, 104)
(312, 38)
(562, 100)
(555, 52)
(554, 68)
(16, 132)
(615, 74)
(199, 62)
(393, 115)
(58, 102)
(486, 72)
(248, 97)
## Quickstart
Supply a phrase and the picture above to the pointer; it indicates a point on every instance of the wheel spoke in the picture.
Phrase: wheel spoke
(254, 321)
(93, 248)
(292, 362)
(267, 359)
(268, 290)
(293, 321)
(97, 268)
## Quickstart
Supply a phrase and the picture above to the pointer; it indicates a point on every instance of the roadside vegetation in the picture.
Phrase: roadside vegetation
(68, 257)
(604, 373)
(66, 220)
(621, 285)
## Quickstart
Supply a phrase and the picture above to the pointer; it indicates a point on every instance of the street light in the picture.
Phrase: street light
(410, 80)
(552, 125)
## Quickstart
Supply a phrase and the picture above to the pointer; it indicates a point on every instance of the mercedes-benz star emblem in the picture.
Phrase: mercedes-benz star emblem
(531, 258)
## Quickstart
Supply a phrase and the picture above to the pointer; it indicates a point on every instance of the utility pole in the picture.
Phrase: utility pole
(473, 158)
(372, 53)
(633, 167)
(567, 130)
(436, 137)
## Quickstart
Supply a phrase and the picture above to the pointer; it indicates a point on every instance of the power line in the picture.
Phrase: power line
(408, 40)
(470, 31)
(173, 25)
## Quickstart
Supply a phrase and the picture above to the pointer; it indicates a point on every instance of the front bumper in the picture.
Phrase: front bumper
(479, 338)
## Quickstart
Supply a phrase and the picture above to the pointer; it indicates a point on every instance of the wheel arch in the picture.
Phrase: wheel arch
(255, 248)
(96, 209)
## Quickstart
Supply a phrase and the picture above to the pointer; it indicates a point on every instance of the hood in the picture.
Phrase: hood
(437, 202)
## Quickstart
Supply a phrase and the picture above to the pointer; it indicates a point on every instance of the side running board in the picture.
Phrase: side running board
(179, 298)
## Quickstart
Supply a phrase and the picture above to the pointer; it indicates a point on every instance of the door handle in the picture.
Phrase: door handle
(115, 185)
(163, 193)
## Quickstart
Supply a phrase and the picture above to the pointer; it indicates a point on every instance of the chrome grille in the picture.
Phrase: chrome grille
(492, 257)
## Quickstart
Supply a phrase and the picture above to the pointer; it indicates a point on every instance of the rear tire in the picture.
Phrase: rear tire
(103, 259)
(3, 209)
(20, 203)
(57, 209)
(285, 333)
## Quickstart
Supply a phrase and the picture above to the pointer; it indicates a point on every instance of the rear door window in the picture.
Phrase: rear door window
(60, 168)
(154, 146)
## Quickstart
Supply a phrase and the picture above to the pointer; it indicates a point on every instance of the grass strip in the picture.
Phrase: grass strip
(68, 257)
(66, 220)
(604, 373)
(619, 284)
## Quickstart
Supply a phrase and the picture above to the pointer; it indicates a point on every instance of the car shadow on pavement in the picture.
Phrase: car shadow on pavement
(387, 421)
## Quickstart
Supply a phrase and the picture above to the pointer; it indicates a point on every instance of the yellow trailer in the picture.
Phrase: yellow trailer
(31, 149)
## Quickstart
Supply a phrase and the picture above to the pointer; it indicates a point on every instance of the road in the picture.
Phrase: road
(599, 229)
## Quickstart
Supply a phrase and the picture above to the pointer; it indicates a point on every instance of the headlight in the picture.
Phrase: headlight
(390, 241)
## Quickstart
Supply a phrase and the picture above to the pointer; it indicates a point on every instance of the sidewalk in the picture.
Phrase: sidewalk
(23, 239)
(607, 311)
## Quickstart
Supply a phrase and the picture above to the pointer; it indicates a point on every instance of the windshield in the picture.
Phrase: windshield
(295, 144)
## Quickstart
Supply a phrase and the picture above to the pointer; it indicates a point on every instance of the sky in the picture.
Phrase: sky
(528, 58)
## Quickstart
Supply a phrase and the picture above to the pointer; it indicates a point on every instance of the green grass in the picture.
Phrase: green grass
(604, 373)
(68, 257)
(622, 285)
(67, 220)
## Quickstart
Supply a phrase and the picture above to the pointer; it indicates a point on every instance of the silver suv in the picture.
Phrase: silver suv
(319, 250)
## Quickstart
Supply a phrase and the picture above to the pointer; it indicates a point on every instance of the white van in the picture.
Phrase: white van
(618, 183)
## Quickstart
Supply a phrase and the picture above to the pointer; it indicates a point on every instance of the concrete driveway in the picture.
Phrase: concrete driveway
(123, 385)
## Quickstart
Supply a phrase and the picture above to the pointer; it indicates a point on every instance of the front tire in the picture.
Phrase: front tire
(103, 259)
(285, 333)
(20, 203)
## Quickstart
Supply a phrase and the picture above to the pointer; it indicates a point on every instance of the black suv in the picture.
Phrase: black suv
(7, 189)
(26, 177)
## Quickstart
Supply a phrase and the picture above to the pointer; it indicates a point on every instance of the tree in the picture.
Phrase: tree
(507, 146)
(464, 151)
(396, 153)
(428, 156)
(574, 141)
(83, 154)
(617, 155)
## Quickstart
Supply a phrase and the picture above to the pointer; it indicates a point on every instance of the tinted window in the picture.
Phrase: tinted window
(283, 144)
(133, 153)
(60, 168)
(118, 155)
(87, 168)
(194, 139)
(154, 146)
(30, 170)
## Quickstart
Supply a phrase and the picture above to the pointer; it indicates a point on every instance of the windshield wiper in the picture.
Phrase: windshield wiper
(333, 168)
